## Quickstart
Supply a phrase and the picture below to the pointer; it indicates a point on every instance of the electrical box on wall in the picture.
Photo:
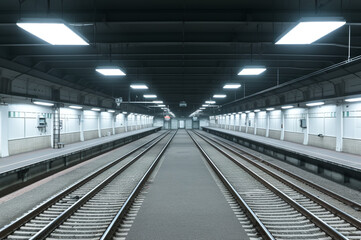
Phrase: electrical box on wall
(42, 122)
(303, 123)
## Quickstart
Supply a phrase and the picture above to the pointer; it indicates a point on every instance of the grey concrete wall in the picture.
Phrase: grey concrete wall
(70, 137)
(90, 134)
(104, 132)
(22, 145)
(294, 137)
(237, 128)
(351, 146)
(250, 130)
(243, 129)
(323, 142)
(276, 134)
(119, 130)
(261, 132)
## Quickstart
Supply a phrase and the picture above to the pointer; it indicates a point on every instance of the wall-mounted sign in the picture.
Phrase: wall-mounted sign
(167, 118)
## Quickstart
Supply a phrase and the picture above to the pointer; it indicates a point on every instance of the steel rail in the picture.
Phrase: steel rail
(109, 232)
(353, 204)
(249, 212)
(47, 230)
(332, 232)
(10, 228)
(347, 217)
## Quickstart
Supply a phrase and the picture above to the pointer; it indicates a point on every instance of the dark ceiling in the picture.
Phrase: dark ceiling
(183, 50)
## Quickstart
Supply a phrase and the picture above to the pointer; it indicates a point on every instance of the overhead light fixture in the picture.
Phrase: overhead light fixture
(76, 107)
(239, 112)
(110, 111)
(353, 99)
(287, 107)
(252, 71)
(314, 104)
(257, 110)
(308, 31)
(205, 105)
(270, 109)
(232, 86)
(95, 109)
(158, 102)
(202, 108)
(219, 96)
(161, 105)
(110, 71)
(210, 102)
(149, 96)
(124, 112)
(248, 111)
(48, 104)
(53, 31)
(139, 86)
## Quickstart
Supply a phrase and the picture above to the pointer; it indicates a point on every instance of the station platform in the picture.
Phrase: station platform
(20, 160)
(20, 170)
(183, 201)
(339, 166)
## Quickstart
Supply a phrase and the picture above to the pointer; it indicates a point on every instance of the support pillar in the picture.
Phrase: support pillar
(307, 130)
(247, 119)
(81, 126)
(113, 123)
(255, 124)
(267, 123)
(99, 127)
(339, 127)
(4, 136)
(282, 125)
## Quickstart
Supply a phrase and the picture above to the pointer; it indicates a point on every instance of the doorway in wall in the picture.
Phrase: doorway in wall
(181, 124)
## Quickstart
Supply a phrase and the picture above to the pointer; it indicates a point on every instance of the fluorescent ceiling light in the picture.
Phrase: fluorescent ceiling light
(111, 111)
(95, 109)
(158, 102)
(270, 109)
(210, 102)
(287, 107)
(161, 105)
(54, 31)
(219, 95)
(139, 86)
(252, 71)
(353, 99)
(307, 32)
(239, 112)
(232, 86)
(248, 111)
(48, 104)
(257, 110)
(124, 112)
(149, 96)
(202, 108)
(205, 105)
(76, 107)
(314, 104)
(110, 71)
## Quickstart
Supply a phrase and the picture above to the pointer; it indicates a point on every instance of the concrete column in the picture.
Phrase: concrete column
(52, 129)
(268, 118)
(282, 125)
(113, 123)
(255, 124)
(99, 126)
(4, 136)
(339, 127)
(81, 126)
(126, 122)
(307, 129)
(247, 122)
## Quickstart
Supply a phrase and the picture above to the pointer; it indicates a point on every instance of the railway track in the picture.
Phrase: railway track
(278, 208)
(87, 208)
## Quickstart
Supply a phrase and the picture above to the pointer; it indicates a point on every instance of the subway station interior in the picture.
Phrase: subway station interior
(180, 120)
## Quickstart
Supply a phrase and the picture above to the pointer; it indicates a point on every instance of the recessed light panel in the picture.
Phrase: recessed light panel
(149, 96)
(48, 104)
(252, 71)
(219, 96)
(139, 86)
(307, 32)
(53, 31)
(314, 104)
(110, 71)
(232, 86)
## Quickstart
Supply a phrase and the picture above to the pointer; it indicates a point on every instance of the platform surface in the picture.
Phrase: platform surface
(338, 158)
(184, 201)
(24, 159)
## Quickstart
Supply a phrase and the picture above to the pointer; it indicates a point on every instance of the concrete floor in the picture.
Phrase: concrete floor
(184, 202)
